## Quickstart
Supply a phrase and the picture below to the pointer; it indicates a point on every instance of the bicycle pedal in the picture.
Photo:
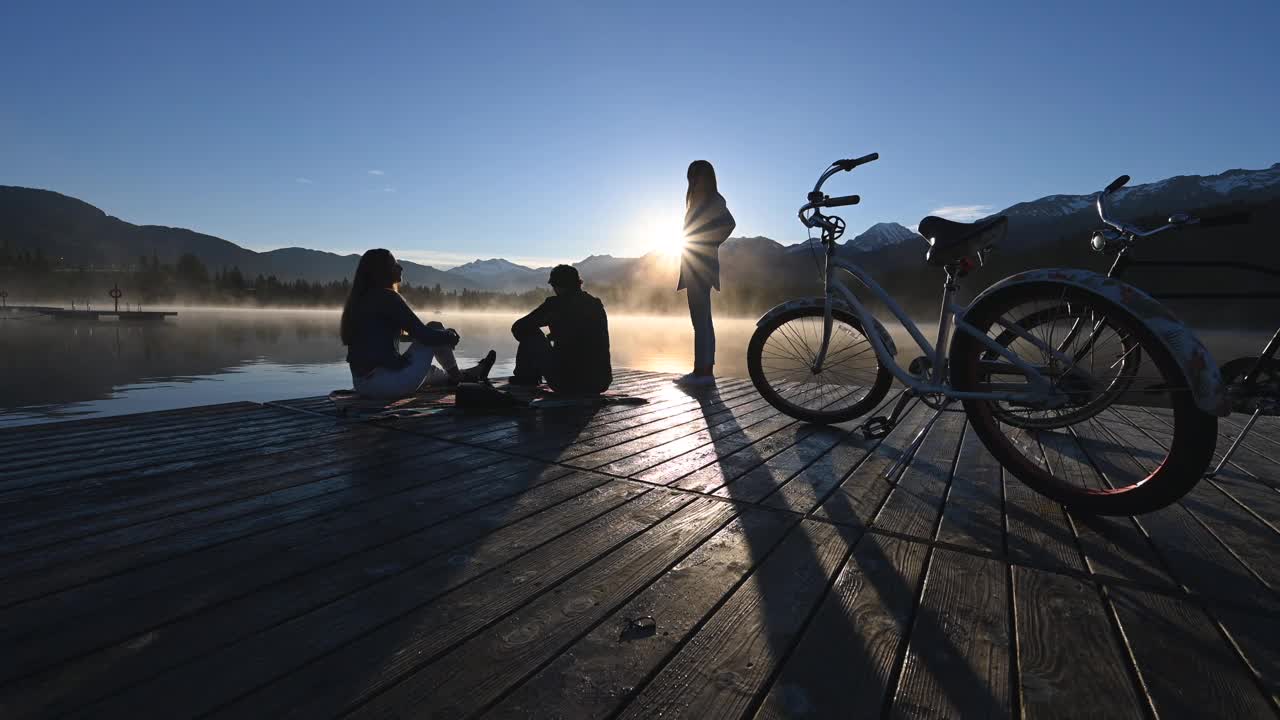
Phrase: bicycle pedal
(877, 427)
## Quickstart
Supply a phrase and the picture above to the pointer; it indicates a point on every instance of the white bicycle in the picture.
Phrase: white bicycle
(1030, 392)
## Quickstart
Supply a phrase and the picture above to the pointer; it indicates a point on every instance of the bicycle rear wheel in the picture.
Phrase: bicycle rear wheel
(1106, 450)
(780, 360)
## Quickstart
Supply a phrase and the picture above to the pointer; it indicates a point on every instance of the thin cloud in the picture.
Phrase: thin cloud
(962, 213)
(303, 181)
(388, 189)
(376, 172)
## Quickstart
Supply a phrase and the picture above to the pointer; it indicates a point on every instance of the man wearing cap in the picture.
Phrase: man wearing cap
(574, 358)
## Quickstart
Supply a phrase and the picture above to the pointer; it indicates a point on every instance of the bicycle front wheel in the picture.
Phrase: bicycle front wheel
(1122, 438)
(780, 359)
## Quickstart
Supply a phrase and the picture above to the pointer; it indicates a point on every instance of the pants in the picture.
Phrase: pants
(388, 384)
(535, 360)
(704, 332)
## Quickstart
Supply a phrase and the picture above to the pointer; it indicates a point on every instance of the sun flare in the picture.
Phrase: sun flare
(662, 234)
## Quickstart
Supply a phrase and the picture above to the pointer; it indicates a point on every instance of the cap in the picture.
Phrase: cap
(565, 276)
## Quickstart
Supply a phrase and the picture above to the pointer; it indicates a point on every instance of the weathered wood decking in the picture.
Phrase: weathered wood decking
(700, 555)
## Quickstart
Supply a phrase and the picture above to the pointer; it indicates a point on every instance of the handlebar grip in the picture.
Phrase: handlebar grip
(1241, 218)
(855, 162)
(842, 201)
(1117, 184)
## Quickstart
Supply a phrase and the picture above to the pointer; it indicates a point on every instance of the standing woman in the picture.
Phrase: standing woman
(707, 224)
(372, 321)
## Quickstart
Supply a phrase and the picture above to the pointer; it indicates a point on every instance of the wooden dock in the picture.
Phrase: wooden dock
(698, 556)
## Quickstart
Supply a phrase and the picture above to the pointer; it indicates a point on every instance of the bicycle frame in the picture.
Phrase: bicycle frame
(950, 315)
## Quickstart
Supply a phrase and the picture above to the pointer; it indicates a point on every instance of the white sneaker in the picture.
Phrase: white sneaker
(692, 380)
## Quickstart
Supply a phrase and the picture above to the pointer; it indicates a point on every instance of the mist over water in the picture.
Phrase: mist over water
(57, 370)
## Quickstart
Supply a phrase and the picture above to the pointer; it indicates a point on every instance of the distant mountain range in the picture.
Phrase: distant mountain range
(81, 234)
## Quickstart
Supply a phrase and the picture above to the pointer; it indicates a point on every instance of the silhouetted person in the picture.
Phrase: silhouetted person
(707, 224)
(373, 319)
(575, 358)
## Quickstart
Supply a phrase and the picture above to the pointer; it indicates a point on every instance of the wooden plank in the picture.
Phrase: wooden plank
(475, 673)
(730, 659)
(958, 660)
(973, 515)
(223, 545)
(699, 428)
(1070, 664)
(1196, 557)
(805, 491)
(1037, 530)
(1185, 664)
(786, 454)
(89, 547)
(713, 466)
(1255, 493)
(1256, 635)
(189, 454)
(726, 433)
(548, 439)
(155, 441)
(124, 501)
(861, 494)
(556, 436)
(27, 435)
(915, 502)
(267, 595)
(596, 675)
(1112, 546)
(492, 427)
(845, 662)
(368, 629)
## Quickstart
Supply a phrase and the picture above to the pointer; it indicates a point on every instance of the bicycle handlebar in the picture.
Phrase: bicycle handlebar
(818, 200)
(1117, 184)
(855, 162)
(841, 201)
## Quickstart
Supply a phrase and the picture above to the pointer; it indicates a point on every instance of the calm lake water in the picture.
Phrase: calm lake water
(51, 371)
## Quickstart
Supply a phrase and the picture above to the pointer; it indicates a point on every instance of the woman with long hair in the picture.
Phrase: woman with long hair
(707, 224)
(372, 320)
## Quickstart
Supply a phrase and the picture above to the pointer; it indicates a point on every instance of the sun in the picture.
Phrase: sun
(662, 233)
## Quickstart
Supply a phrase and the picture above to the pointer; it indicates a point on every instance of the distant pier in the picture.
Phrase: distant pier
(96, 315)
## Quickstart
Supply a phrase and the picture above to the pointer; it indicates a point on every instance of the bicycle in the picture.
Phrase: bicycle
(815, 360)
(1252, 383)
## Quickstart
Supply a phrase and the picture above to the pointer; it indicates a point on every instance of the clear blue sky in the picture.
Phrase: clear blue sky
(549, 131)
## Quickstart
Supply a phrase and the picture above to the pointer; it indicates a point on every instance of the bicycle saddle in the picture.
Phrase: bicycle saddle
(949, 241)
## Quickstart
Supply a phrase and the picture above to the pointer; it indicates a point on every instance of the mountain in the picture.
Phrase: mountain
(1059, 218)
(77, 233)
(502, 275)
(1052, 230)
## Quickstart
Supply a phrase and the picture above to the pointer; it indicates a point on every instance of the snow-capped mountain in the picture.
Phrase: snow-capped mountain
(884, 235)
(502, 275)
(1054, 217)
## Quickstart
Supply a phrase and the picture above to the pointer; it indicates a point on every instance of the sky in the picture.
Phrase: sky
(546, 132)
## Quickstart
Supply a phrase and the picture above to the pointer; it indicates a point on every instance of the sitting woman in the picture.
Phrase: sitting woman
(372, 321)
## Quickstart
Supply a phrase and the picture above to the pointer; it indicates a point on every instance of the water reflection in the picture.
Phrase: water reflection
(52, 370)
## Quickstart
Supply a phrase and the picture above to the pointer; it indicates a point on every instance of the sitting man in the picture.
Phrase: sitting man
(575, 358)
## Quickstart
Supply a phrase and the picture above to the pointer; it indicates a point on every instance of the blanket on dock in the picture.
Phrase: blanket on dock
(444, 400)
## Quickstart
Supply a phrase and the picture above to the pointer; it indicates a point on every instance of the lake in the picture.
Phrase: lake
(58, 370)
(52, 370)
